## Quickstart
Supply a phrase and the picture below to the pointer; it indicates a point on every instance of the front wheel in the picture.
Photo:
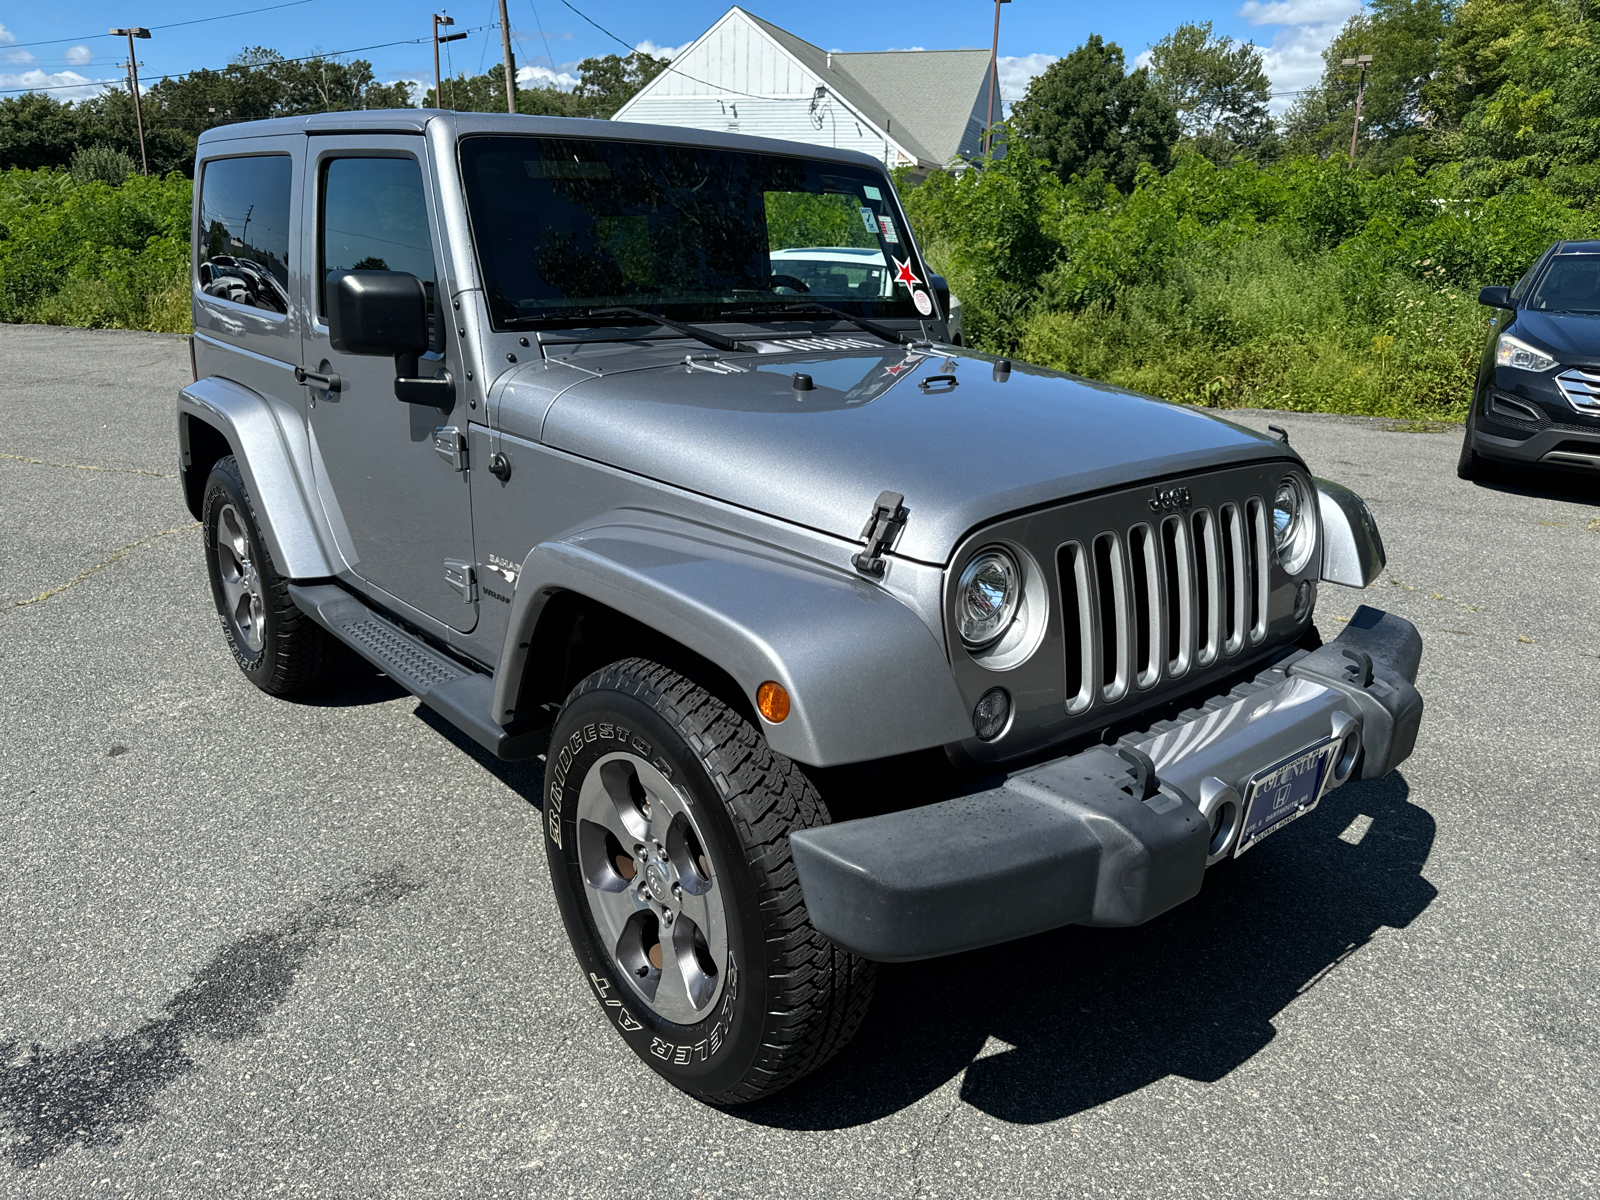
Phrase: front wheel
(1472, 465)
(667, 822)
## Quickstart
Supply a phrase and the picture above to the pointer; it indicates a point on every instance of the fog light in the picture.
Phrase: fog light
(772, 701)
(992, 713)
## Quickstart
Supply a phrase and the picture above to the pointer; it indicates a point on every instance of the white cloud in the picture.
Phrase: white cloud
(78, 56)
(63, 85)
(544, 77)
(1297, 12)
(1017, 71)
(1294, 58)
(6, 36)
(20, 56)
(655, 51)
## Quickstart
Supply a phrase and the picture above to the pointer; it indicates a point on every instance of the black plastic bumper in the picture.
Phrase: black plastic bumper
(1102, 837)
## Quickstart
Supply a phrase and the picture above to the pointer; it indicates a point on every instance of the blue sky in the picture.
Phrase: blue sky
(65, 44)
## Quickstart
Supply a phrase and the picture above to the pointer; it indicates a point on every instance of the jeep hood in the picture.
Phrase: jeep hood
(962, 453)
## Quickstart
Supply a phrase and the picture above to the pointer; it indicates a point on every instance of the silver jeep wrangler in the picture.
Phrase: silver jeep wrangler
(649, 452)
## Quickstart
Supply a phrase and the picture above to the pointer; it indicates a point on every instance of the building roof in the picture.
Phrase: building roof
(922, 98)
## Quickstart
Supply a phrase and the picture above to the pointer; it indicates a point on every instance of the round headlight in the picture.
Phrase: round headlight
(987, 596)
(1293, 529)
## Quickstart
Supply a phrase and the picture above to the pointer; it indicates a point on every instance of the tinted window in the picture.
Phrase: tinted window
(563, 225)
(374, 218)
(1571, 284)
(244, 231)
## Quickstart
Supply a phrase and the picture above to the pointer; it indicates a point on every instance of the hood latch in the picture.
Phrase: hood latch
(887, 520)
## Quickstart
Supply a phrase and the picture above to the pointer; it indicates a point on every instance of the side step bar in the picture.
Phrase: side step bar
(459, 694)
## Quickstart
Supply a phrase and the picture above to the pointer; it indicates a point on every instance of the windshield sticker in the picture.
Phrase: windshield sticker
(869, 219)
(922, 301)
(872, 193)
(903, 274)
(886, 227)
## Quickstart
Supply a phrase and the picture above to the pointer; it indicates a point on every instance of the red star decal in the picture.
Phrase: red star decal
(903, 273)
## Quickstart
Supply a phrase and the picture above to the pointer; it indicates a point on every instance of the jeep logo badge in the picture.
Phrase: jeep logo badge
(1170, 499)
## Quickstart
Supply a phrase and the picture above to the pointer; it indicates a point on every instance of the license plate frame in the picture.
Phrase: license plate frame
(1297, 797)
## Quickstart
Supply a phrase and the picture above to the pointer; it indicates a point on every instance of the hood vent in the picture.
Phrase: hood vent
(816, 343)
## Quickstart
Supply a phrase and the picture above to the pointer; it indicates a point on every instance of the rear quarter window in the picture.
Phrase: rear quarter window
(243, 249)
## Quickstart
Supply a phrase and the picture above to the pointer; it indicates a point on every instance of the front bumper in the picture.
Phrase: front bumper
(1111, 836)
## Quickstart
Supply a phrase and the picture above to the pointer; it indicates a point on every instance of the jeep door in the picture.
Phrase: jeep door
(400, 510)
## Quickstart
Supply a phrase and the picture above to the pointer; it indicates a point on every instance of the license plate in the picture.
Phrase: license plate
(1280, 794)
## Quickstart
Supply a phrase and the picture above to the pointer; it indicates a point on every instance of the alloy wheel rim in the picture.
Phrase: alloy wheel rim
(650, 887)
(242, 604)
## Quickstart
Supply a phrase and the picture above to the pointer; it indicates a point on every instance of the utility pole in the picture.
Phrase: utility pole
(438, 94)
(511, 70)
(132, 32)
(1363, 61)
(994, 68)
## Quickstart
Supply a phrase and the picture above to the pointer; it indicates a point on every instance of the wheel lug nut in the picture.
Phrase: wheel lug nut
(677, 891)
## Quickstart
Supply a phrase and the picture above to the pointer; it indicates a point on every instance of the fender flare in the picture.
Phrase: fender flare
(1352, 549)
(865, 676)
(262, 440)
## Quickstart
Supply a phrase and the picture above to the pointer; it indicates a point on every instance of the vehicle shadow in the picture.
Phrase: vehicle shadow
(1545, 485)
(1094, 1014)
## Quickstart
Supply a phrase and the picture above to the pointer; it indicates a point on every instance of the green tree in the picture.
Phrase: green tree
(1405, 38)
(1088, 113)
(37, 130)
(1218, 88)
(606, 84)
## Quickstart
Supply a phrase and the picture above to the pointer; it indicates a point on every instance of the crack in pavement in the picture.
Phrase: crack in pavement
(119, 553)
(40, 462)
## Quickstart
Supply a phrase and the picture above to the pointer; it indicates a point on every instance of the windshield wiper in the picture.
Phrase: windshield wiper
(889, 335)
(714, 340)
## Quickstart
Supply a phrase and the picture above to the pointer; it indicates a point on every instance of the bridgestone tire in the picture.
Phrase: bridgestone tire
(296, 655)
(789, 999)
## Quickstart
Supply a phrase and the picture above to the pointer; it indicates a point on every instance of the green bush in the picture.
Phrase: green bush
(104, 163)
(1300, 285)
(89, 253)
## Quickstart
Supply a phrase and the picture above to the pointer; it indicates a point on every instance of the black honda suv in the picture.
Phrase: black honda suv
(1537, 399)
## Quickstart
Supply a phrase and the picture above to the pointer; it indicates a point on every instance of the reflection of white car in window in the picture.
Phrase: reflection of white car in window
(846, 273)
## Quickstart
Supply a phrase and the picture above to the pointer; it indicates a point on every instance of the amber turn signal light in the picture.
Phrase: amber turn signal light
(772, 701)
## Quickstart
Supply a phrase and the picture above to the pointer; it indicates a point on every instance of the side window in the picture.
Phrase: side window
(244, 231)
(374, 218)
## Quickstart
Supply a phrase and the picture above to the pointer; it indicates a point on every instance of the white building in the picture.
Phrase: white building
(910, 108)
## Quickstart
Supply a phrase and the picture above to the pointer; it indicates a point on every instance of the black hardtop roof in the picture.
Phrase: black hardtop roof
(416, 120)
(1587, 247)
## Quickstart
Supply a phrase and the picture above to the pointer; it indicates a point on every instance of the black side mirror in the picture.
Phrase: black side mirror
(1497, 297)
(386, 312)
(941, 289)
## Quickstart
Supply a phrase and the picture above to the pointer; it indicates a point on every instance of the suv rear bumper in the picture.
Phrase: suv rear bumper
(1111, 836)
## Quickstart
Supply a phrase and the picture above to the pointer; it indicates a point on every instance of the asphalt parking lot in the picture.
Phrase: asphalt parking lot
(250, 946)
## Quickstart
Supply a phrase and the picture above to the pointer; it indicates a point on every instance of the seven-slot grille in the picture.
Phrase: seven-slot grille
(1581, 387)
(1161, 598)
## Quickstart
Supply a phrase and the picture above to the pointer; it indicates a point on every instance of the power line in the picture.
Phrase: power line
(173, 25)
(670, 66)
(63, 87)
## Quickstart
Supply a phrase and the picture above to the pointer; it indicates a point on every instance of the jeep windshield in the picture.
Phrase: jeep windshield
(566, 227)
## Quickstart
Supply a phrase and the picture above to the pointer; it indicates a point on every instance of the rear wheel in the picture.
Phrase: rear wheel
(278, 647)
(667, 822)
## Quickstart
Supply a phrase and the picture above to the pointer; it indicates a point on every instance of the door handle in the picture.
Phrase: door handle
(328, 383)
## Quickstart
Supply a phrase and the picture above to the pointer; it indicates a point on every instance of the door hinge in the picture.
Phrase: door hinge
(461, 576)
(450, 444)
(883, 526)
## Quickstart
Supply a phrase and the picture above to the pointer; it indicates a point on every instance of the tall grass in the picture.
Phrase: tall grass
(85, 252)
(1301, 285)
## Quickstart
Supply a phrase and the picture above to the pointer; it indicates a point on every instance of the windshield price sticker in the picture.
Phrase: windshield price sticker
(886, 227)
